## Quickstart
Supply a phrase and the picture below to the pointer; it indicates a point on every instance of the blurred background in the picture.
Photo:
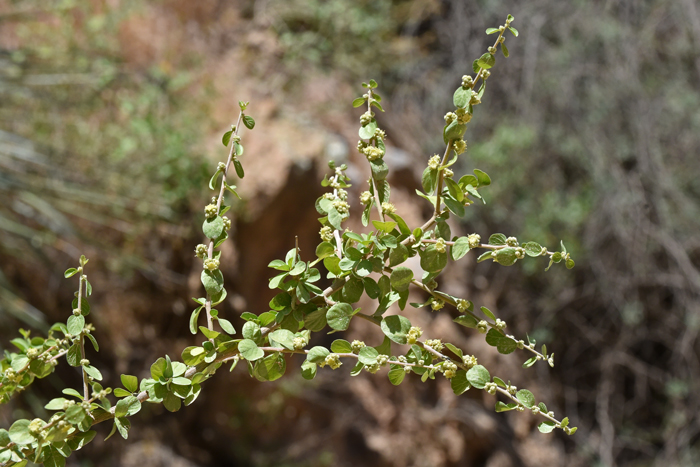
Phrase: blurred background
(111, 115)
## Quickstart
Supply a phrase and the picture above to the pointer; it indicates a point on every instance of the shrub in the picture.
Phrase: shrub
(371, 263)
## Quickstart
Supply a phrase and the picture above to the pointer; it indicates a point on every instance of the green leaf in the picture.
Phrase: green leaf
(226, 326)
(488, 313)
(484, 256)
(526, 398)
(373, 84)
(497, 239)
(75, 414)
(158, 368)
(455, 207)
(431, 260)
(237, 164)
(325, 249)
(401, 278)
(171, 402)
(460, 248)
(532, 249)
(367, 131)
(93, 372)
(486, 61)
(339, 315)
(454, 189)
(379, 169)
(506, 256)
(505, 51)
(364, 269)
(341, 346)
(19, 432)
(503, 344)
(74, 355)
(359, 101)
(119, 392)
(368, 355)
(193, 319)
(565, 422)
(308, 370)
(501, 407)
(213, 281)
(529, 362)
(352, 290)
(131, 383)
(335, 219)
(484, 179)
(93, 341)
(316, 320)
(396, 376)
(70, 272)
(250, 350)
(384, 226)
(75, 324)
(56, 404)
(492, 30)
(478, 376)
(513, 30)
(398, 255)
(270, 368)
(371, 288)
(226, 138)
(213, 179)
(429, 180)
(357, 369)
(396, 328)
(459, 382)
(72, 392)
(546, 427)
(403, 228)
(453, 131)
(317, 354)
(249, 122)
(475, 66)
(461, 97)
(213, 227)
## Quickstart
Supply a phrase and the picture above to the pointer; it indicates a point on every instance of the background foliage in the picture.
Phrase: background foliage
(110, 109)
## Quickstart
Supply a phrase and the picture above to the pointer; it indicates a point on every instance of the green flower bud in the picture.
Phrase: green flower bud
(201, 251)
(459, 146)
(440, 247)
(512, 241)
(84, 362)
(492, 50)
(447, 173)
(366, 197)
(210, 211)
(469, 361)
(388, 208)
(474, 240)
(435, 344)
(450, 117)
(482, 327)
(33, 352)
(326, 234)
(467, 82)
(227, 223)
(211, 264)
(437, 305)
(413, 334)
(365, 118)
(434, 162)
(35, 426)
(357, 346)
(462, 305)
(221, 166)
(379, 133)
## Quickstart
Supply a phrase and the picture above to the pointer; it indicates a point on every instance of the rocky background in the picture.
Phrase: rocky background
(111, 113)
